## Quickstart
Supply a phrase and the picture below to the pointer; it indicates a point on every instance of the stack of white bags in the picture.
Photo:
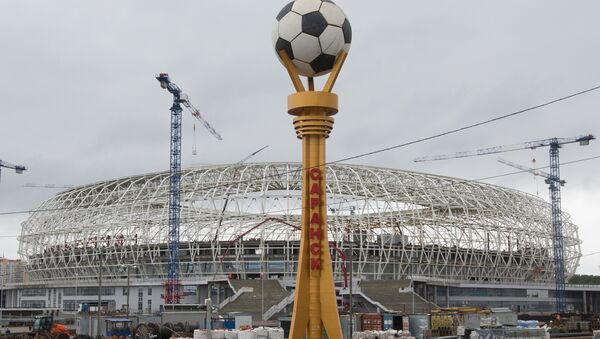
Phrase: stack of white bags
(257, 333)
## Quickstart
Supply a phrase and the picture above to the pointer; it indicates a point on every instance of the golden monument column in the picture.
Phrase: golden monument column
(312, 38)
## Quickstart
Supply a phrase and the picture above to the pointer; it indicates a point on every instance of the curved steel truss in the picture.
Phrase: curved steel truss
(242, 219)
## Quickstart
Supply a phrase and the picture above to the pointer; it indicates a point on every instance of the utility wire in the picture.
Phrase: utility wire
(367, 198)
(363, 154)
(458, 181)
(470, 126)
(215, 186)
(435, 136)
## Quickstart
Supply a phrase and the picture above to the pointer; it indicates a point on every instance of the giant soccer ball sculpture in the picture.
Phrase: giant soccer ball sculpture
(313, 33)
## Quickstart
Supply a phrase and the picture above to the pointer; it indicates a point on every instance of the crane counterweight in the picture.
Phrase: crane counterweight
(18, 168)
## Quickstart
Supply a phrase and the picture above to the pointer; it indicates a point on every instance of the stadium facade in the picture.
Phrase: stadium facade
(461, 243)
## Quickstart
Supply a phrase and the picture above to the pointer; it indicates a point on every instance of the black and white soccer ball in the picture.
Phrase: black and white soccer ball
(313, 33)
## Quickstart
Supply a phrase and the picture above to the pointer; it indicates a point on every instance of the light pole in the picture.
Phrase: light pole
(412, 283)
(262, 274)
(350, 301)
(128, 267)
(99, 291)
(77, 292)
(1, 291)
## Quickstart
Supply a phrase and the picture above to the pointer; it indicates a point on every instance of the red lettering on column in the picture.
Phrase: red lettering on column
(315, 173)
(315, 202)
(315, 189)
(315, 248)
(315, 219)
(316, 233)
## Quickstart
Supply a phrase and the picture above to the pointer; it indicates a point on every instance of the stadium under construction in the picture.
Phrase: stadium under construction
(405, 242)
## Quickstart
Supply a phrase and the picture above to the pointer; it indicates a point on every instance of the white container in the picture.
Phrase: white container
(233, 334)
(261, 333)
(249, 334)
(275, 333)
(200, 334)
(217, 334)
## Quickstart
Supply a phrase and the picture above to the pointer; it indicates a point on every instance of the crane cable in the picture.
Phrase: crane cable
(385, 149)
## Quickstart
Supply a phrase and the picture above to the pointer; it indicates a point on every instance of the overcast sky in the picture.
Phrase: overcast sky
(79, 102)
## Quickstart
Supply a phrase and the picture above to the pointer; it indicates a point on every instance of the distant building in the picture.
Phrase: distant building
(11, 271)
(11, 274)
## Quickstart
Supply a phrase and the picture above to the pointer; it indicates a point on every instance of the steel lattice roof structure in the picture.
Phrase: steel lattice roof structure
(243, 219)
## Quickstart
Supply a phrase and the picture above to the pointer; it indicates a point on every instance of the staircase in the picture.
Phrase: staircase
(248, 297)
(395, 296)
(237, 294)
(280, 306)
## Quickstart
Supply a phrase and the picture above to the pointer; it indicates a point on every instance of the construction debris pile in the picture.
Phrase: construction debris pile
(529, 329)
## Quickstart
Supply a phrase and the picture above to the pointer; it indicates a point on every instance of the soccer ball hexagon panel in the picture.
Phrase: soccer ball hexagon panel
(313, 33)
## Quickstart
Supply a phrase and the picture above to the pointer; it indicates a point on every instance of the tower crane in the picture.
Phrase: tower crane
(554, 182)
(18, 168)
(172, 284)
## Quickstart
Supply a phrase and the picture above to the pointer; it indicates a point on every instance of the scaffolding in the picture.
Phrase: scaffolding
(240, 220)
